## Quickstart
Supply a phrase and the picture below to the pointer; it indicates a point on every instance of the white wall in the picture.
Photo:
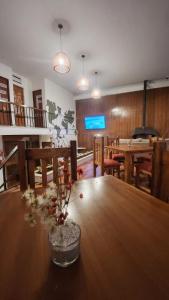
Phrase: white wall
(39, 84)
(59, 95)
(27, 86)
(62, 97)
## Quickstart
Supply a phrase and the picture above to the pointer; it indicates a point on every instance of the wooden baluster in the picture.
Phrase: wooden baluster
(31, 170)
(44, 173)
(55, 169)
(66, 170)
(102, 155)
(22, 165)
(73, 158)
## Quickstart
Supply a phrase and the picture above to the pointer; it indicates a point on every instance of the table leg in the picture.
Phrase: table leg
(128, 167)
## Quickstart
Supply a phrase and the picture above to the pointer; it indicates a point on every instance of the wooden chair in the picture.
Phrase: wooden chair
(111, 141)
(160, 171)
(115, 141)
(143, 168)
(31, 155)
(107, 165)
(47, 145)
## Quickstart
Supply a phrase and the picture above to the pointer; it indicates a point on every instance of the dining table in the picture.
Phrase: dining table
(124, 247)
(129, 150)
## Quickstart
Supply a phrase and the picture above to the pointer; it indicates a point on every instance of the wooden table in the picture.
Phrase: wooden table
(129, 151)
(124, 247)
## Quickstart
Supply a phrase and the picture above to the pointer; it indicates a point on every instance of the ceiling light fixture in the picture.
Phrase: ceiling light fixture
(83, 83)
(96, 93)
(61, 62)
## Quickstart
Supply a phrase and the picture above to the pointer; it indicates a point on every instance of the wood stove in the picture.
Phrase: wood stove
(144, 132)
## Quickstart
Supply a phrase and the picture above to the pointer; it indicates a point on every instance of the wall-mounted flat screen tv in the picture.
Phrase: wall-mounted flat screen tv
(95, 122)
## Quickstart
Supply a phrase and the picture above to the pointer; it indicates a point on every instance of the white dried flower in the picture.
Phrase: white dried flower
(27, 217)
(52, 185)
(29, 195)
(33, 222)
(49, 222)
(41, 200)
(50, 192)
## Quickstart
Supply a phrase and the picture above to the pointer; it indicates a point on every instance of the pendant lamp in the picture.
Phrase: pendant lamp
(83, 82)
(96, 93)
(61, 62)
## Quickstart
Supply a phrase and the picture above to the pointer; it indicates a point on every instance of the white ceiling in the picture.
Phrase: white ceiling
(127, 41)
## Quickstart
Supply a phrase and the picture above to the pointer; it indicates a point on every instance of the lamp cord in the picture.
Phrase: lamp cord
(60, 38)
(83, 70)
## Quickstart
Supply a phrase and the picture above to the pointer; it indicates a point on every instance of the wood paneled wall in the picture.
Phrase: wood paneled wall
(127, 116)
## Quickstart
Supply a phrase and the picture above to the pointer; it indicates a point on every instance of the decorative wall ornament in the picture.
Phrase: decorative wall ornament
(61, 124)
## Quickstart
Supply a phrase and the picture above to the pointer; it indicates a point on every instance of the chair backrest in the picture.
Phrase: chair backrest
(65, 157)
(46, 144)
(113, 141)
(160, 170)
(98, 153)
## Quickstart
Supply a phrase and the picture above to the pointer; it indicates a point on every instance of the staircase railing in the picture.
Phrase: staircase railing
(3, 166)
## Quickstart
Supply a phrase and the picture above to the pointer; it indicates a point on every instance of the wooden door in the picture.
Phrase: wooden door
(18, 109)
(5, 111)
(38, 106)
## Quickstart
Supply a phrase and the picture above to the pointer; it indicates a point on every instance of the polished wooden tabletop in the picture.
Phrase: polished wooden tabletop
(124, 247)
(134, 148)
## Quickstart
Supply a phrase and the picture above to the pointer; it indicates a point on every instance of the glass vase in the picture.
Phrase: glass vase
(65, 243)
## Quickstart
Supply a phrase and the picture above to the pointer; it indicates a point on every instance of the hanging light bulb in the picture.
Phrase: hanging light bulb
(96, 93)
(83, 82)
(61, 63)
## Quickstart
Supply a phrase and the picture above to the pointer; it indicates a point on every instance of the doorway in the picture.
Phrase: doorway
(38, 108)
(18, 108)
(5, 109)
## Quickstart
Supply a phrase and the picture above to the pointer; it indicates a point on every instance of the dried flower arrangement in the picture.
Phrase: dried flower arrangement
(51, 208)
(52, 205)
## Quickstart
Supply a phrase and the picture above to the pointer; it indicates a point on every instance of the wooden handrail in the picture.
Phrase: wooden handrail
(22, 115)
(4, 161)
(23, 106)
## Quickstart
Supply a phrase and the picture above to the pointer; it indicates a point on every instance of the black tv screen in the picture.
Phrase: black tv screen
(95, 122)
